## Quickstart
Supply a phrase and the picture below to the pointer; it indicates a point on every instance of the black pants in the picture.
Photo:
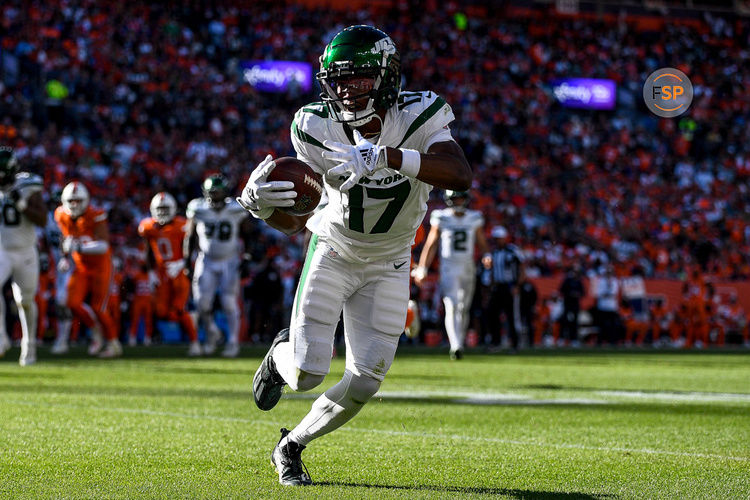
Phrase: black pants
(502, 301)
(569, 321)
(608, 327)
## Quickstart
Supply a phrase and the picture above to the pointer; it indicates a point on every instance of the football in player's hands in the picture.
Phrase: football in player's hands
(307, 184)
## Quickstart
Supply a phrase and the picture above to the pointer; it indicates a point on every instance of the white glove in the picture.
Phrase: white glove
(175, 267)
(359, 160)
(419, 273)
(153, 278)
(63, 265)
(70, 245)
(261, 197)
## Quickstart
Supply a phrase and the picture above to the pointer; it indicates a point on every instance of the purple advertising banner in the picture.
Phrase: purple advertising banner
(588, 93)
(277, 76)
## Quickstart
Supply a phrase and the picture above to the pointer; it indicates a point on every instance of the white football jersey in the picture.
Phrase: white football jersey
(16, 230)
(217, 230)
(457, 235)
(378, 218)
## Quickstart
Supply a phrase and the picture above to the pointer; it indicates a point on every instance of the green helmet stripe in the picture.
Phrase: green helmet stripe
(422, 118)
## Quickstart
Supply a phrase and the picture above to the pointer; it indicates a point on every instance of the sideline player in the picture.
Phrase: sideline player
(216, 224)
(380, 151)
(164, 233)
(21, 209)
(86, 243)
(456, 230)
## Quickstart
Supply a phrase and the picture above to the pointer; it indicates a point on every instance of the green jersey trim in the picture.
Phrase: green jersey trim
(305, 269)
(305, 137)
(422, 118)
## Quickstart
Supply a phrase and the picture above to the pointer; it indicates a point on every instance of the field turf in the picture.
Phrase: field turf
(539, 425)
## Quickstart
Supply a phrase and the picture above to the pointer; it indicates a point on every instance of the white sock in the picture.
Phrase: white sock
(336, 407)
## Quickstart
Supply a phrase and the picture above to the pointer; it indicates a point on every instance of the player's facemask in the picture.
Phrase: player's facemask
(367, 61)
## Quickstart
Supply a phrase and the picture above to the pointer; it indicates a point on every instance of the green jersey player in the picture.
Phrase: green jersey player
(380, 150)
(22, 210)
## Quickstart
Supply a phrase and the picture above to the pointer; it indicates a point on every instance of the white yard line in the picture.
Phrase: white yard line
(414, 434)
(679, 396)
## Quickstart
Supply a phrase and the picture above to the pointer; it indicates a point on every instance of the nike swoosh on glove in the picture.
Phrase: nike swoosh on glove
(261, 197)
(359, 160)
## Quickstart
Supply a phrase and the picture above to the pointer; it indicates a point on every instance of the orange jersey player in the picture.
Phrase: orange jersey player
(86, 241)
(115, 298)
(165, 233)
(141, 307)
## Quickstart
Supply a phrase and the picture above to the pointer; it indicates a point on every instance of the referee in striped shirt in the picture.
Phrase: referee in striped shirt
(505, 264)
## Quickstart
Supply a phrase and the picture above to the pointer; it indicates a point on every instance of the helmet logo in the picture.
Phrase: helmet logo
(384, 45)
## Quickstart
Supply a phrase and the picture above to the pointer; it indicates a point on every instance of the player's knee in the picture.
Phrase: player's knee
(306, 381)
(63, 312)
(229, 304)
(362, 388)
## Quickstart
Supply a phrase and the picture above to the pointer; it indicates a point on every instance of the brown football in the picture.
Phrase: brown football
(307, 184)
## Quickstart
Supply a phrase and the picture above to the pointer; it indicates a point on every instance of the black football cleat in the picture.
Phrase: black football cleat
(288, 462)
(267, 383)
(457, 354)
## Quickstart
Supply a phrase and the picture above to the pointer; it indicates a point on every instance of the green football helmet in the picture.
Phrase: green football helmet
(451, 198)
(215, 189)
(8, 167)
(365, 52)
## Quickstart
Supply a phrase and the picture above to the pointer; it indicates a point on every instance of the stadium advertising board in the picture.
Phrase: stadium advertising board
(587, 93)
(277, 76)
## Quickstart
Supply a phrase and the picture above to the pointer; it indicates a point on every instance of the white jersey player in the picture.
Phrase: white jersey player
(216, 226)
(21, 210)
(379, 152)
(455, 230)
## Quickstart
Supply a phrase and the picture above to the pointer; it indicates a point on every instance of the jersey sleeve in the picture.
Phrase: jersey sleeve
(432, 115)
(435, 218)
(98, 216)
(192, 208)
(28, 184)
(143, 228)
(236, 211)
(307, 126)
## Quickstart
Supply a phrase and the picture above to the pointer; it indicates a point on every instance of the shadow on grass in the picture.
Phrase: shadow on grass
(573, 388)
(126, 391)
(520, 494)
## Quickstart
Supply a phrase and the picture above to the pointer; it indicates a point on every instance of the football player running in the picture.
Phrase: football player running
(380, 151)
(21, 209)
(86, 242)
(456, 230)
(216, 224)
(164, 233)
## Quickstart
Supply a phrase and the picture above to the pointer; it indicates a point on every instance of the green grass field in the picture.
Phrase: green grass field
(551, 425)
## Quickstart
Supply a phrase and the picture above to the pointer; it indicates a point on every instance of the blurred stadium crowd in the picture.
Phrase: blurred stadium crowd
(133, 98)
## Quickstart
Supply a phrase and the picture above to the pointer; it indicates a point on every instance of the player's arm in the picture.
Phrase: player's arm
(427, 256)
(35, 209)
(263, 198)
(189, 243)
(484, 248)
(99, 243)
(287, 223)
(444, 165)
(150, 257)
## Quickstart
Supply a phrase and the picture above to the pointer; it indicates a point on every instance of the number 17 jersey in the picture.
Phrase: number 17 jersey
(377, 218)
